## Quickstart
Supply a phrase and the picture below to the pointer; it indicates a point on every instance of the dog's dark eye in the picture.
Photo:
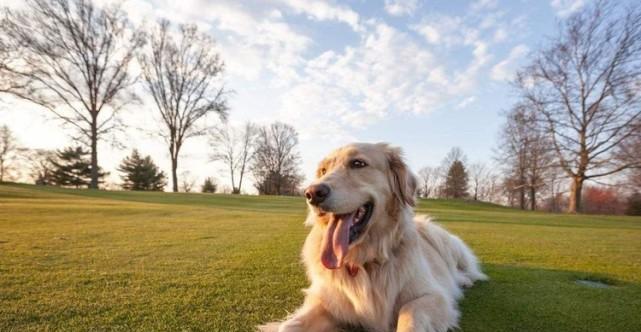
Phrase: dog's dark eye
(322, 171)
(357, 163)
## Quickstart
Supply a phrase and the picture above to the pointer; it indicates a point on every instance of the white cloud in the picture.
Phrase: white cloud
(388, 72)
(500, 35)
(385, 73)
(466, 102)
(566, 8)
(430, 33)
(323, 11)
(483, 4)
(401, 7)
(252, 42)
(443, 29)
(331, 92)
(505, 69)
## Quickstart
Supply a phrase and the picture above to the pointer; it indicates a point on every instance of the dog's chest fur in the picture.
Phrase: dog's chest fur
(365, 299)
(371, 298)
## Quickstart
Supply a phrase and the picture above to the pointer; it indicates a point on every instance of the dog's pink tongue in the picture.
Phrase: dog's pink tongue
(336, 240)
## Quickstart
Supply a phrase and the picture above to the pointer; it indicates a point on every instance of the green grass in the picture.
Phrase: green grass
(94, 260)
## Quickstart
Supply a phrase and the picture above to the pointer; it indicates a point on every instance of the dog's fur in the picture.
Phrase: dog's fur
(409, 271)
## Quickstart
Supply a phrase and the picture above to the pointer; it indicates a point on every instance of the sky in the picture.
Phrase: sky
(425, 75)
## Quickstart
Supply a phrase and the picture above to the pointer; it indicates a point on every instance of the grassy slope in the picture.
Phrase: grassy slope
(86, 260)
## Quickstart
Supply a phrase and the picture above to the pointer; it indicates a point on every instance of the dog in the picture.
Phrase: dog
(372, 264)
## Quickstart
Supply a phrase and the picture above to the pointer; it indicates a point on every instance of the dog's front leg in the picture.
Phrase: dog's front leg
(429, 313)
(311, 317)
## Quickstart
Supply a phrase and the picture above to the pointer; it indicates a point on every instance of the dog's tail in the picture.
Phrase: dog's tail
(461, 261)
(466, 263)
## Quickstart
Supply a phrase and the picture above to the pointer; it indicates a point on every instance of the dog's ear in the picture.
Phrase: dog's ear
(402, 181)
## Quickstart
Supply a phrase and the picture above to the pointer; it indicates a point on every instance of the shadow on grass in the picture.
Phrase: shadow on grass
(529, 299)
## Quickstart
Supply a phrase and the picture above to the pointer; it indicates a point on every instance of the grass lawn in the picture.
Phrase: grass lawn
(93, 260)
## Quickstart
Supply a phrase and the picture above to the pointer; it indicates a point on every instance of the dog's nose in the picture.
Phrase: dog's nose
(316, 193)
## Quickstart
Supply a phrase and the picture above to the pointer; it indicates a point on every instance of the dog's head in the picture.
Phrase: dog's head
(356, 198)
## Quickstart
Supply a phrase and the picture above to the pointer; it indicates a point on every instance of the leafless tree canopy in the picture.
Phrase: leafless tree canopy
(8, 151)
(586, 86)
(183, 77)
(71, 57)
(525, 153)
(429, 179)
(234, 147)
(478, 173)
(455, 154)
(187, 182)
(276, 164)
(40, 163)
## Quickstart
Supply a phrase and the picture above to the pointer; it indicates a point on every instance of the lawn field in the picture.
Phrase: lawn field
(80, 260)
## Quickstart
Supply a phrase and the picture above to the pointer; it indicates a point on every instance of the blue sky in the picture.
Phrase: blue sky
(425, 75)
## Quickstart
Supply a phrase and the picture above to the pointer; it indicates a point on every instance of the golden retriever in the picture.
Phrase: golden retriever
(371, 263)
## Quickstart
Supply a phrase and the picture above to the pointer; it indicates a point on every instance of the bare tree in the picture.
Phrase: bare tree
(630, 151)
(188, 181)
(586, 86)
(493, 189)
(455, 154)
(234, 147)
(428, 181)
(276, 162)
(524, 151)
(478, 174)
(71, 57)
(8, 151)
(512, 153)
(41, 165)
(555, 179)
(183, 75)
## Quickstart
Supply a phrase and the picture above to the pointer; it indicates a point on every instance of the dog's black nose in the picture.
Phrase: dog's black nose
(316, 193)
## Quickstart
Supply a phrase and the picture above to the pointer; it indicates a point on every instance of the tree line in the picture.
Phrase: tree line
(573, 132)
(269, 153)
(75, 59)
(577, 119)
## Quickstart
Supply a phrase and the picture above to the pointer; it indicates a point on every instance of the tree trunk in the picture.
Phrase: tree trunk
(234, 189)
(94, 153)
(174, 175)
(532, 198)
(575, 194)
(240, 181)
(522, 198)
(476, 192)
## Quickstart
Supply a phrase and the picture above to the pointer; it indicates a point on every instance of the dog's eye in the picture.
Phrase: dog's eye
(357, 163)
(322, 171)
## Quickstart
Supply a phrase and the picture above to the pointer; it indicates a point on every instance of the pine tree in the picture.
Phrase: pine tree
(141, 173)
(456, 182)
(72, 167)
(209, 186)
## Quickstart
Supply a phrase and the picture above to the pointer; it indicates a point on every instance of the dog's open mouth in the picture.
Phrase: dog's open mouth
(343, 230)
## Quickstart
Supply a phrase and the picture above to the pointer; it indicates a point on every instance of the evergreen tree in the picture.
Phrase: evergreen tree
(209, 186)
(141, 173)
(72, 167)
(456, 182)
